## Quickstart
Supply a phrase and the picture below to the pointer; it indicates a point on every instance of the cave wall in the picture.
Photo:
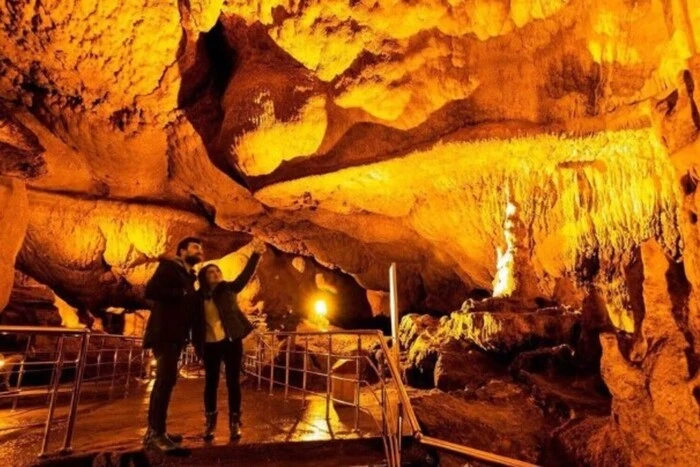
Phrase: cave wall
(284, 289)
(13, 226)
(230, 112)
(357, 134)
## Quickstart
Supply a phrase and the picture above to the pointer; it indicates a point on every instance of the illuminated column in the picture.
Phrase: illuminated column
(515, 276)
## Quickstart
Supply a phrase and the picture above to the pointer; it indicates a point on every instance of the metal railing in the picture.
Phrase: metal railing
(293, 360)
(312, 361)
(41, 364)
(268, 356)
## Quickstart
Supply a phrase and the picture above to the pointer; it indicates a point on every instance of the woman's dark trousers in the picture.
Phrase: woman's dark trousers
(231, 352)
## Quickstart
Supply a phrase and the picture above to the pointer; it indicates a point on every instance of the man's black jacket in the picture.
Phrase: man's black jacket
(235, 323)
(174, 301)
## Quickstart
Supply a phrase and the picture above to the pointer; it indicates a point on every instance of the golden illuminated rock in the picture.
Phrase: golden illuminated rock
(175, 100)
(13, 226)
(20, 150)
(355, 134)
(98, 253)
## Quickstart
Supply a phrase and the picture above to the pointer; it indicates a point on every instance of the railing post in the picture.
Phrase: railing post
(272, 361)
(381, 394)
(75, 397)
(58, 368)
(128, 369)
(259, 349)
(20, 374)
(394, 313)
(286, 370)
(114, 370)
(142, 375)
(328, 376)
(303, 377)
(399, 431)
(59, 345)
(99, 361)
(357, 383)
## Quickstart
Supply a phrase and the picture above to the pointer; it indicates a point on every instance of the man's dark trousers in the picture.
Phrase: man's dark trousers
(167, 356)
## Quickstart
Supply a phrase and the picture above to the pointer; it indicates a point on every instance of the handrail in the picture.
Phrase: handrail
(4, 329)
(392, 364)
(435, 442)
(406, 401)
(78, 360)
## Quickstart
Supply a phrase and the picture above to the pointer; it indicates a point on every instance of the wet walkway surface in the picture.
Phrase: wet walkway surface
(270, 423)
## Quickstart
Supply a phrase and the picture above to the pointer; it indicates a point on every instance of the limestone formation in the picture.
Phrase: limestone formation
(13, 226)
(544, 152)
(20, 150)
(31, 304)
(499, 418)
(188, 104)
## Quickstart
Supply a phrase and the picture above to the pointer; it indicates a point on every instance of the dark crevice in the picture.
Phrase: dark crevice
(689, 184)
(207, 66)
(206, 209)
(690, 87)
(679, 290)
(634, 280)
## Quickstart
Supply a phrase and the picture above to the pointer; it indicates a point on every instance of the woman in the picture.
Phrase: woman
(218, 332)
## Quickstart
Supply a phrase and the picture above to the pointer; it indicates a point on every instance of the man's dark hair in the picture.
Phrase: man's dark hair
(185, 242)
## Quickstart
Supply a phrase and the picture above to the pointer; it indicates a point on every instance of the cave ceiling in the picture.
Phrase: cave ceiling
(358, 132)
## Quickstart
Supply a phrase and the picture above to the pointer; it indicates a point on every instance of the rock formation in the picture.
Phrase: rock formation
(542, 151)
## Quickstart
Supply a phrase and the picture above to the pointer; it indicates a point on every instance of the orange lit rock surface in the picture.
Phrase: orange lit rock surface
(362, 133)
(13, 226)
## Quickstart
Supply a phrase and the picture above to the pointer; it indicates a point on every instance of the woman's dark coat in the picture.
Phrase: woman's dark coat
(235, 323)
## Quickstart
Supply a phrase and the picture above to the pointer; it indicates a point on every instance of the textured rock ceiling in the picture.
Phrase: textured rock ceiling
(479, 144)
(357, 132)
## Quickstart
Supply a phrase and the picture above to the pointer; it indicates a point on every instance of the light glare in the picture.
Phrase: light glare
(321, 308)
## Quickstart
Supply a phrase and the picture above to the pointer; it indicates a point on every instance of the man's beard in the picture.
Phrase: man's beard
(192, 260)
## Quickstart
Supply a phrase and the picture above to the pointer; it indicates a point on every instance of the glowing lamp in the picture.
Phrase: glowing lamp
(153, 362)
(2, 362)
(321, 308)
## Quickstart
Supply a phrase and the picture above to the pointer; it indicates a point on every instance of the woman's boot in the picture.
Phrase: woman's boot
(209, 425)
(235, 425)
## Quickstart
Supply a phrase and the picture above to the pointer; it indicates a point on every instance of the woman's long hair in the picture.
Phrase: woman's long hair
(204, 288)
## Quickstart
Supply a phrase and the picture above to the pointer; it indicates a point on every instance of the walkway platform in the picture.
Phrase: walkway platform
(272, 427)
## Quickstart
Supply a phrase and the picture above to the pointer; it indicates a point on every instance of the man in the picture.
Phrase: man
(171, 289)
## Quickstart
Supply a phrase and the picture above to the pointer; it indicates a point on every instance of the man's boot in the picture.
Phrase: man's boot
(235, 425)
(174, 437)
(147, 436)
(161, 442)
(209, 425)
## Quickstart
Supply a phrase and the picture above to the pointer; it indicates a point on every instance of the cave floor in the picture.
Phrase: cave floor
(118, 425)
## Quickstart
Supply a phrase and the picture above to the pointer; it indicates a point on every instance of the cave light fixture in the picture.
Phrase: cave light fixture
(321, 307)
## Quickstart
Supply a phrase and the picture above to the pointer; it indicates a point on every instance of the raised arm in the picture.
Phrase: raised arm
(245, 275)
(160, 288)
